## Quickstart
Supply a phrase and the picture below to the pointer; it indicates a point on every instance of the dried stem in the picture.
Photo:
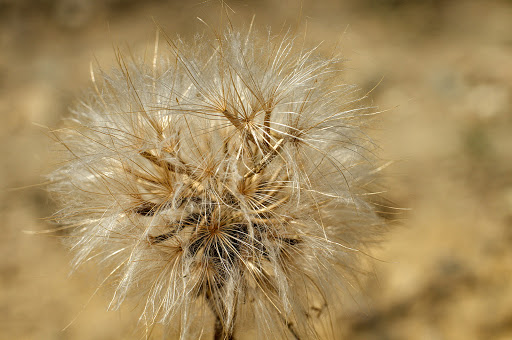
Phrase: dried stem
(220, 332)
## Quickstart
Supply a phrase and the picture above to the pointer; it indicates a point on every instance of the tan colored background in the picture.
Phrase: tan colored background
(444, 70)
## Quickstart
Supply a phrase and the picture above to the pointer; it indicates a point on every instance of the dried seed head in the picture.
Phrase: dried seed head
(227, 179)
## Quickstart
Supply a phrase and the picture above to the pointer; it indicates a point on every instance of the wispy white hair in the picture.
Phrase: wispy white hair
(229, 179)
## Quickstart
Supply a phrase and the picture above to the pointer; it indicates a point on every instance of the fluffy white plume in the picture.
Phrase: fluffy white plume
(228, 179)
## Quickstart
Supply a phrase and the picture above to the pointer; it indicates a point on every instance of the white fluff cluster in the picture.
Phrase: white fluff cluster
(225, 180)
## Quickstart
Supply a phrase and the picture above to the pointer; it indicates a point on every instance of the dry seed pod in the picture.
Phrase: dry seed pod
(227, 179)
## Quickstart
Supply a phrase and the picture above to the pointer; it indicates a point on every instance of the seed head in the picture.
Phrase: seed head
(227, 179)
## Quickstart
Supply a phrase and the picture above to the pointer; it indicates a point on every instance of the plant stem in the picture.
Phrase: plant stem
(219, 330)
(220, 333)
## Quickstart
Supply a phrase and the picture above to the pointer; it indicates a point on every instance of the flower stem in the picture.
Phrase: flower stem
(220, 334)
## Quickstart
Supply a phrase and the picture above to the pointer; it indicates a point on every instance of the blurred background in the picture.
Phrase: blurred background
(441, 69)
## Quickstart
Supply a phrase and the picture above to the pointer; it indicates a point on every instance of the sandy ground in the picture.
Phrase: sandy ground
(444, 75)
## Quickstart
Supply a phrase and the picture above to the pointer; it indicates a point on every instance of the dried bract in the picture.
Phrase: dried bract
(228, 179)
